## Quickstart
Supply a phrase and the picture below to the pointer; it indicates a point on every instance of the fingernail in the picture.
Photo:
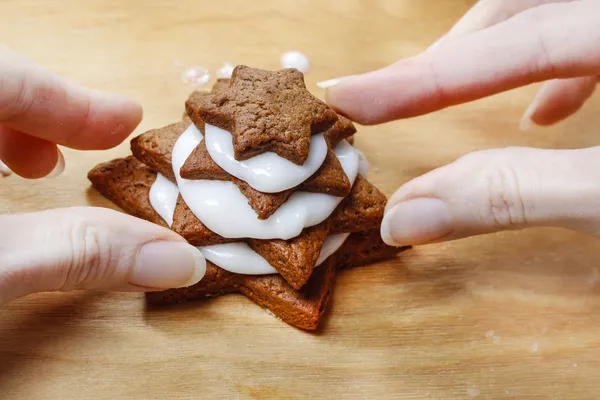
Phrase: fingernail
(4, 170)
(329, 83)
(417, 221)
(165, 265)
(526, 122)
(59, 167)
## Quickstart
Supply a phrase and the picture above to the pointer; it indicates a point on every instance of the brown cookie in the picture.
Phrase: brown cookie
(362, 210)
(216, 282)
(154, 147)
(219, 87)
(294, 259)
(126, 182)
(265, 111)
(186, 224)
(342, 129)
(300, 308)
(330, 179)
(363, 248)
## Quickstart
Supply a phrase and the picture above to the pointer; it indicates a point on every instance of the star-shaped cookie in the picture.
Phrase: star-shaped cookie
(265, 111)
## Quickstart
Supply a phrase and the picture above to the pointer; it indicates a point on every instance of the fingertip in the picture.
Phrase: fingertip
(27, 156)
(416, 221)
(112, 119)
(558, 100)
(355, 96)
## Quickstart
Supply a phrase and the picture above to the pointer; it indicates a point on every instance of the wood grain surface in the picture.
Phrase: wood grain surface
(507, 316)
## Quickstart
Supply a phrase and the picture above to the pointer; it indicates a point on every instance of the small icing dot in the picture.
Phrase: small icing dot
(195, 76)
(225, 71)
(295, 59)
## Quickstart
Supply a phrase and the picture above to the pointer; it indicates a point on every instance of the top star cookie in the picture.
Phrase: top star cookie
(265, 111)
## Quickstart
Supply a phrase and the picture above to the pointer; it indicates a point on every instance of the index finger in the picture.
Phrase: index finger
(36, 102)
(549, 41)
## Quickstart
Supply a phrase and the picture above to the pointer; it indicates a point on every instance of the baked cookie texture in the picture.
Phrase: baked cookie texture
(299, 293)
(265, 111)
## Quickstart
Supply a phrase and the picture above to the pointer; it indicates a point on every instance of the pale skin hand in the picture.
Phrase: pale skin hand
(78, 248)
(499, 45)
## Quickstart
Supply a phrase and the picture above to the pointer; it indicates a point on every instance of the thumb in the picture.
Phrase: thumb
(496, 190)
(91, 248)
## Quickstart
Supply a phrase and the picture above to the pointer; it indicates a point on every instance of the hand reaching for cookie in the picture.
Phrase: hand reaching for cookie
(78, 248)
(497, 46)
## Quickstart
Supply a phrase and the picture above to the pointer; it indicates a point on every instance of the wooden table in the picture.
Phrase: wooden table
(508, 316)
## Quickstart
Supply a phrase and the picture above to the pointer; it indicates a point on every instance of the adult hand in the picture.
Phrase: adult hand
(497, 46)
(78, 248)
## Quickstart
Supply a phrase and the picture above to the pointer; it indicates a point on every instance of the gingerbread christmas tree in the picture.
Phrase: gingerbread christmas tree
(261, 176)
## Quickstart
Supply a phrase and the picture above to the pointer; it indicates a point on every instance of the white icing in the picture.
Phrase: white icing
(295, 59)
(239, 258)
(363, 165)
(267, 172)
(225, 71)
(163, 198)
(331, 245)
(225, 210)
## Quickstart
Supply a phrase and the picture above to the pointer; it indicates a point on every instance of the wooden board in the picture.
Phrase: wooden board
(508, 316)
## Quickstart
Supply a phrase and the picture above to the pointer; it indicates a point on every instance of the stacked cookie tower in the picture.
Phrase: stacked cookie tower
(262, 178)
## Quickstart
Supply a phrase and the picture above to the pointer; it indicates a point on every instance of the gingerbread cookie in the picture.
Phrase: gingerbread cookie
(265, 111)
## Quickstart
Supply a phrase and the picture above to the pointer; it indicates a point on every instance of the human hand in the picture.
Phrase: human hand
(78, 248)
(499, 45)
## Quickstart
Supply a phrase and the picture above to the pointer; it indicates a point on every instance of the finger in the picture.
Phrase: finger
(91, 248)
(524, 49)
(486, 13)
(497, 190)
(34, 101)
(29, 156)
(559, 99)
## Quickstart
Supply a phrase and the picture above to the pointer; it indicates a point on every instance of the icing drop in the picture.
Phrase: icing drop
(295, 59)
(267, 172)
(195, 76)
(225, 210)
(163, 198)
(225, 71)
